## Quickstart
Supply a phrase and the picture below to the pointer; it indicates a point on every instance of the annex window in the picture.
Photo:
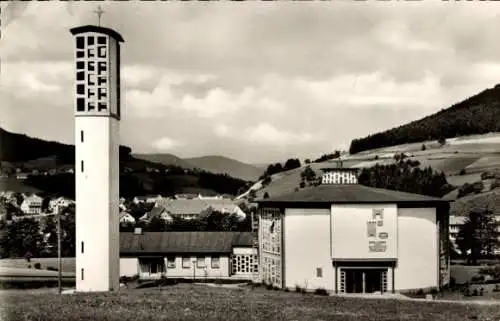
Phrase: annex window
(81, 138)
(82, 275)
(171, 262)
(186, 263)
(200, 262)
(82, 247)
(215, 262)
(80, 89)
(80, 43)
(80, 104)
(81, 166)
(319, 272)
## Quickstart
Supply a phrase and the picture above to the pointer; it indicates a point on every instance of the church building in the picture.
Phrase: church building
(348, 238)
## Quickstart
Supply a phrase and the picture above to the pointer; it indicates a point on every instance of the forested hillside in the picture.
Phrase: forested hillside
(478, 114)
(137, 176)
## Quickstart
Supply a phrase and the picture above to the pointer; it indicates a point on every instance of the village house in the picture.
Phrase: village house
(150, 199)
(59, 202)
(197, 255)
(192, 208)
(126, 218)
(348, 238)
(32, 205)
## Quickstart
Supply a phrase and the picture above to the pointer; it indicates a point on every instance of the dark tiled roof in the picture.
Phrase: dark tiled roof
(348, 193)
(183, 242)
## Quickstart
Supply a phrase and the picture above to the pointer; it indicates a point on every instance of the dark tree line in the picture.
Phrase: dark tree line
(276, 168)
(479, 114)
(405, 176)
(325, 157)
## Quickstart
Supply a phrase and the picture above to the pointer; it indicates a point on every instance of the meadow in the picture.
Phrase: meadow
(197, 302)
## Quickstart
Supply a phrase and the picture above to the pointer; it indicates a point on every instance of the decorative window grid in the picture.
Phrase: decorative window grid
(245, 263)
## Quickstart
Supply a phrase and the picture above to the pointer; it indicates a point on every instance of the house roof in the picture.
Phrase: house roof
(457, 220)
(195, 206)
(183, 242)
(327, 194)
(98, 29)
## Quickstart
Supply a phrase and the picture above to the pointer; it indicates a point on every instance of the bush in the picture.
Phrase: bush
(269, 286)
(474, 292)
(423, 147)
(481, 291)
(321, 291)
(496, 288)
(463, 172)
(434, 291)
(287, 290)
(298, 289)
(29, 266)
(302, 184)
(37, 265)
(420, 292)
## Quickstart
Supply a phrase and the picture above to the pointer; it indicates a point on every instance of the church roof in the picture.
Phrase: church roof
(327, 194)
(97, 29)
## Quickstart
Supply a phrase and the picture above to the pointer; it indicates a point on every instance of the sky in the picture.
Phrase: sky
(255, 81)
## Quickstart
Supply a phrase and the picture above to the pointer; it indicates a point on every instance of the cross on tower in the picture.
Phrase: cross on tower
(99, 13)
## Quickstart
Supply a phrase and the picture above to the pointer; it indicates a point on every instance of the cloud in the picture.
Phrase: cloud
(265, 133)
(166, 144)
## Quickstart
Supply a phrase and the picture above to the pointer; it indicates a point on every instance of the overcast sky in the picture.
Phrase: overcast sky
(255, 81)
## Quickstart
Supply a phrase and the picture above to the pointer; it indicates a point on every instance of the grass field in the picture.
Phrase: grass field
(192, 302)
(68, 263)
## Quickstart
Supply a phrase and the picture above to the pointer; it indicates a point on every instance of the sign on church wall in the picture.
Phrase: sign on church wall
(364, 231)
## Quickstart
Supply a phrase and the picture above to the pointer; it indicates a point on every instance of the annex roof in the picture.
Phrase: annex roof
(182, 242)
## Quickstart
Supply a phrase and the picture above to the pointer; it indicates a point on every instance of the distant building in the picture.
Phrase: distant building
(32, 205)
(197, 255)
(149, 199)
(21, 176)
(59, 202)
(126, 217)
(348, 238)
(193, 208)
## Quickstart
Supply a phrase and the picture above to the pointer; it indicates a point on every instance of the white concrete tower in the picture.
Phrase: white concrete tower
(97, 137)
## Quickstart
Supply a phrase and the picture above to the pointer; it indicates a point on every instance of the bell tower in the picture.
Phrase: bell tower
(97, 140)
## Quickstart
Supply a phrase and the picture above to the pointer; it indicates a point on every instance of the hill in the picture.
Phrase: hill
(137, 176)
(224, 165)
(478, 114)
(165, 159)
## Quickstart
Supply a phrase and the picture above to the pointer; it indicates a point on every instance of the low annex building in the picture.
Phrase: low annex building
(152, 255)
(348, 238)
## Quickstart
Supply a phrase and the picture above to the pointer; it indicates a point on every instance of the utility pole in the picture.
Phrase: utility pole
(59, 279)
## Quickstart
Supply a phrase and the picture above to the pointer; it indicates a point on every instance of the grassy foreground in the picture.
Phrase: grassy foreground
(197, 302)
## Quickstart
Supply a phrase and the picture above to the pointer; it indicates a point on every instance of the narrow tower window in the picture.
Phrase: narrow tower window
(101, 40)
(80, 43)
(90, 40)
(80, 104)
(81, 163)
(82, 247)
(82, 274)
(81, 136)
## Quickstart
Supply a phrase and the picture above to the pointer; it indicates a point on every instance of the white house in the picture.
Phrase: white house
(348, 238)
(32, 205)
(152, 255)
(150, 199)
(59, 202)
(126, 217)
(193, 208)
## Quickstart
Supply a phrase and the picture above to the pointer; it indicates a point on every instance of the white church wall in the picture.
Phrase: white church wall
(417, 265)
(307, 240)
(364, 231)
